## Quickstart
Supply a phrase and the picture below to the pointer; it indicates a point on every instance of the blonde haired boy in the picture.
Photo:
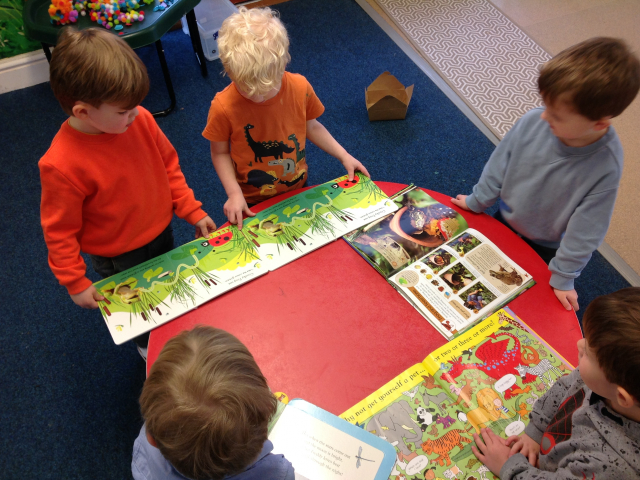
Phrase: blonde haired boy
(206, 407)
(588, 424)
(556, 173)
(111, 180)
(258, 125)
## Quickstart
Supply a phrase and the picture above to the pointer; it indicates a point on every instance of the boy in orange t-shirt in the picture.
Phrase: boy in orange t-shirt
(111, 180)
(259, 124)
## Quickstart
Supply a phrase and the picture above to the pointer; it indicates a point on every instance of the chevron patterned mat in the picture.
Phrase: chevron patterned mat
(480, 53)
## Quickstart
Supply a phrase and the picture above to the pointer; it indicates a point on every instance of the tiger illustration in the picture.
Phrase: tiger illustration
(444, 445)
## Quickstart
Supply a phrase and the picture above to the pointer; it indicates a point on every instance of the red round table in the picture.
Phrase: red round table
(328, 328)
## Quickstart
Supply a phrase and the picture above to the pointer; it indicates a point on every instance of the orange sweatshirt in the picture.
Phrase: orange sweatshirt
(108, 194)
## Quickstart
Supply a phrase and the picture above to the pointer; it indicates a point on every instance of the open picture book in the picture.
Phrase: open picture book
(322, 446)
(452, 274)
(163, 288)
(490, 376)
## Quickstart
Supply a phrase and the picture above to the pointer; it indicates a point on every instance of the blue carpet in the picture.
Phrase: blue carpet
(68, 394)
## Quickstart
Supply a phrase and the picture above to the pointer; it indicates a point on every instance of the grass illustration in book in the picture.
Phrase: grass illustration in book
(419, 225)
(490, 376)
(177, 281)
(312, 218)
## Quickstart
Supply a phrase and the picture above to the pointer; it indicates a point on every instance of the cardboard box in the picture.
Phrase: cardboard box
(387, 98)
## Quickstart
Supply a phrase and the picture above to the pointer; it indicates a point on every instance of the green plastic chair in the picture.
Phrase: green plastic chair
(38, 26)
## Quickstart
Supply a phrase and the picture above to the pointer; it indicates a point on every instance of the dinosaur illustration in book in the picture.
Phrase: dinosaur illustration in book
(271, 148)
(497, 360)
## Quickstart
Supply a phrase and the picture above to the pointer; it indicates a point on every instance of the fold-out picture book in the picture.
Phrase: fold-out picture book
(490, 376)
(452, 274)
(163, 288)
(322, 446)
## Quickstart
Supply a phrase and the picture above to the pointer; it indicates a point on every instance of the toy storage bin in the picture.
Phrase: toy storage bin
(209, 16)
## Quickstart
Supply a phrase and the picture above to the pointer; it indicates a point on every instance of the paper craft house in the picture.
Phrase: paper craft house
(387, 98)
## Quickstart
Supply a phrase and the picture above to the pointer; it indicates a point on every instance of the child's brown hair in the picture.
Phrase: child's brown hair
(95, 66)
(207, 404)
(599, 77)
(611, 326)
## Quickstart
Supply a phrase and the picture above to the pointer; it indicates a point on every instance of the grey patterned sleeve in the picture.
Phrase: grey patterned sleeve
(546, 406)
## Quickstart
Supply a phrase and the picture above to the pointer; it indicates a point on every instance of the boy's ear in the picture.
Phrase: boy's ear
(81, 110)
(602, 123)
(151, 440)
(624, 398)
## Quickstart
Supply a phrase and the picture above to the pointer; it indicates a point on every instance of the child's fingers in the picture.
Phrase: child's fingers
(364, 170)
(517, 447)
(487, 436)
(479, 442)
(512, 439)
(350, 172)
(532, 458)
(478, 455)
(249, 213)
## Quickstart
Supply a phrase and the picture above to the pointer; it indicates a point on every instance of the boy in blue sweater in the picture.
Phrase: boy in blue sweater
(556, 173)
(207, 408)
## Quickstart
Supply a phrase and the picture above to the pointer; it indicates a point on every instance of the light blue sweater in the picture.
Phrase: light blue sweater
(148, 463)
(557, 196)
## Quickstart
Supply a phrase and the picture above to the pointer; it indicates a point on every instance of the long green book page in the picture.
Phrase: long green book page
(163, 288)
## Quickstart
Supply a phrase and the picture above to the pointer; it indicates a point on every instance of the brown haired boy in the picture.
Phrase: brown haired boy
(556, 173)
(206, 407)
(111, 180)
(588, 424)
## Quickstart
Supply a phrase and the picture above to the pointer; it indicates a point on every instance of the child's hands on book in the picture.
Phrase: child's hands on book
(490, 450)
(87, 298)
(568, 298)
(525, 445)
(235, 207)
(352, 165)
(460, 201)
(205, 226)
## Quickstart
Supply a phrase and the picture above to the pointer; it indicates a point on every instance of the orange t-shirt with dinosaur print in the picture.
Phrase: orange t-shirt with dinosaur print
(267, 140)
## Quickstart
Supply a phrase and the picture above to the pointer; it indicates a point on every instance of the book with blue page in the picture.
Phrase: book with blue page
(322, 446)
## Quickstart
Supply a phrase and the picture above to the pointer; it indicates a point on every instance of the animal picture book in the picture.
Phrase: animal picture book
(163, 288)
(452, 274)
(322, 446)
(490, 376)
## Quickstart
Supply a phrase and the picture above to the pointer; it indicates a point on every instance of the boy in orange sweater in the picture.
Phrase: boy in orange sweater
(111, 180)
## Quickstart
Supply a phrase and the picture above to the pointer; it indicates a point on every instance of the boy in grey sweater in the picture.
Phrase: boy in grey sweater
(557, 171)
(587, 426)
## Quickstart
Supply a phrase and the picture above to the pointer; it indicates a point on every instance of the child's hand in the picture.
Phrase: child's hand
(568, 298)
(204, 227)
(490, 450)
(234, 207)
(460, 201)
(352, 165)
(87, 298)
(525, 445)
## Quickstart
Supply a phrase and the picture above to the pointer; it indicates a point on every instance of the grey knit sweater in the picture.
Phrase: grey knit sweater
(580, 438)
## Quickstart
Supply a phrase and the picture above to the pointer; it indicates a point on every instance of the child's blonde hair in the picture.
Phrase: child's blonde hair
(599, 77)
(95, 66)
(206, 404)
(254, 49)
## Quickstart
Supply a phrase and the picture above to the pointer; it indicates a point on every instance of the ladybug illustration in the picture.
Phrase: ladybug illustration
(347, 183)
(221, 239)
